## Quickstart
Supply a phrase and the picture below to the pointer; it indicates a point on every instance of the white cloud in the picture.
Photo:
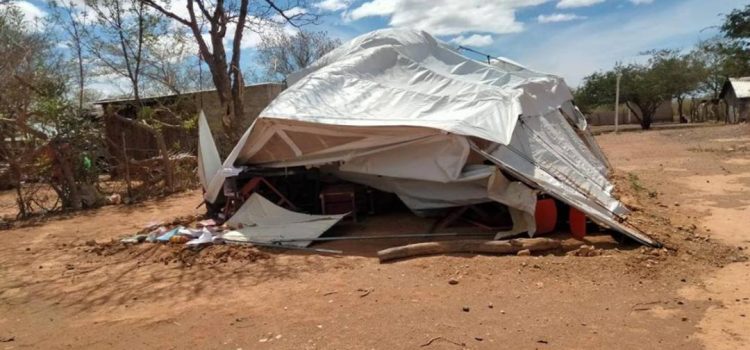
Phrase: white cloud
(31, 12)
(473, 40)
(110, 85)
(294, 11)
(586, 47)
(447, 17)
(566, 4)
(332, 5)
(558, 17)
(641, 2)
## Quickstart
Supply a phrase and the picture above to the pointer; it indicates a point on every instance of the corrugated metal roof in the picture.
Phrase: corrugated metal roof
(741, 86)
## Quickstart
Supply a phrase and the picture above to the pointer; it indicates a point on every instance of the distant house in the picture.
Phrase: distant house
(736, 94)
(141, 144)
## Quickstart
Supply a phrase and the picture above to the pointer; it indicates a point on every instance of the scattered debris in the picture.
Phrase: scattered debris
(366, 292)
(586, 250)
(429, 342)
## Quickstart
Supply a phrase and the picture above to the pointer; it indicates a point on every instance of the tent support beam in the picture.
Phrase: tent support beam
(356, 238)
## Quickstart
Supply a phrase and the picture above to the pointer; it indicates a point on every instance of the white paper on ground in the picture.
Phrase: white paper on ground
(205, 238)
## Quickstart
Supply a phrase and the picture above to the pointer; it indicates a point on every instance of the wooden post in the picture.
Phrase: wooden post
(469, 246)
(127, 168)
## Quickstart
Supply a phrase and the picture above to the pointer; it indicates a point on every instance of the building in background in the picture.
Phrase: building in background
(142, 145)
(736, 94)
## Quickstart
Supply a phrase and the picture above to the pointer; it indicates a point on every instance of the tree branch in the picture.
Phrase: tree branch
(288, 19)
(166, 12)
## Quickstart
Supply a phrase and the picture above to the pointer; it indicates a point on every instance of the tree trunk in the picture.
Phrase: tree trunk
(680, 100)
(641, 114)
(15, 172)
(68, 178)
(646, 120)
(166, 162)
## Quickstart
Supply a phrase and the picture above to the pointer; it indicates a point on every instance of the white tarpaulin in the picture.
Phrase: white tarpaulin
(265, 222)
(403, 112)
(209, 162)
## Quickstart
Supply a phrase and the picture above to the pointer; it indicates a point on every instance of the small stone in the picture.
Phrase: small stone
(466, 309)
(91, 243)
(479, 338)
(524, 252)
(490, 305)
(263, 340)
(7, 339)
(452, 281)
(684, 319)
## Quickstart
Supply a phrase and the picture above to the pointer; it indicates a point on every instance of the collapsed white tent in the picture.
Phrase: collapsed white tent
(402, 112)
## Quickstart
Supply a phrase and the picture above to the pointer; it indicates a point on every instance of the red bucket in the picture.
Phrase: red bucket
(545, 215)
(577, 221)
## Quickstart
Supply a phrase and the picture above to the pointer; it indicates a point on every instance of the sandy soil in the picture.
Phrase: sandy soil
(707, 172)
(58, 289)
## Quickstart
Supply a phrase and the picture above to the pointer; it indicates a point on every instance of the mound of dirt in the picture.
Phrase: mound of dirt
(185, 256)
(682, 239)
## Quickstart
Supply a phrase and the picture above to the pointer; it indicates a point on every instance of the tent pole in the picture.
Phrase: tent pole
(347, 238)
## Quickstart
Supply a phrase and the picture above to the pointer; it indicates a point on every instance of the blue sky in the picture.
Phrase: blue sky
(571, 38)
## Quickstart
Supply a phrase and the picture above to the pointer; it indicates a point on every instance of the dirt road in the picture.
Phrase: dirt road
(690, 188)
(708, 173)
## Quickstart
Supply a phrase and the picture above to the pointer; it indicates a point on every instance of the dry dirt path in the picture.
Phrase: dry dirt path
(57, 293)
(707, 171)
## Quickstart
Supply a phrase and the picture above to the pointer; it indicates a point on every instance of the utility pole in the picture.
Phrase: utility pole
(617, 101)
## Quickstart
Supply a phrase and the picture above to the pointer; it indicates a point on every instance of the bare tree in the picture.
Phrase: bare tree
(74, 22)
(233, 17)
(121, 30)
(32, 89)
(282, 53)
(125, 28)
(171, 63)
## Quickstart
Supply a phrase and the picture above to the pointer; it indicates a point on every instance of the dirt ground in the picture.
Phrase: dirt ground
(690, 188)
